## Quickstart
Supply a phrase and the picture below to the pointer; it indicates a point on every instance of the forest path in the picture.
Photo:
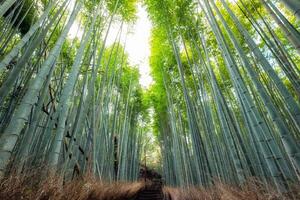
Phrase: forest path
(152, 191)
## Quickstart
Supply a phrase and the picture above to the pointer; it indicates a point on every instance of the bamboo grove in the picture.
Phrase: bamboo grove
(68, 104)
(225, 97)
(227, 73)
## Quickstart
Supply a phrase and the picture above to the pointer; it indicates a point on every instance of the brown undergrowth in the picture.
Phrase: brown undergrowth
(33, 187)
(252, 190)
(30, 187)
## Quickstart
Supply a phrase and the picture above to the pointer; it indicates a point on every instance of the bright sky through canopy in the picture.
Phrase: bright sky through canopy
(138, 46)
(137, 43)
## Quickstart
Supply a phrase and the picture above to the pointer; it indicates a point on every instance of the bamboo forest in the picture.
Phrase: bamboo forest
(205, 104)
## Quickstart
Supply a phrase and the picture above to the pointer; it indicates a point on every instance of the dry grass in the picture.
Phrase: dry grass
(252, 190)
(87, 188)
(32, 187)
